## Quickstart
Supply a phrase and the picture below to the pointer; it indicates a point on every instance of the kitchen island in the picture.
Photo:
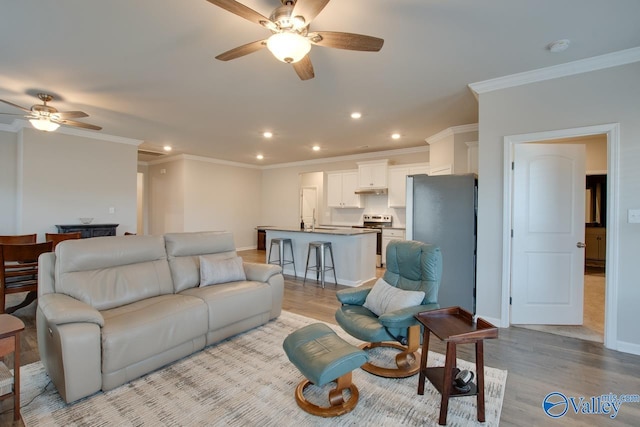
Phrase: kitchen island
(354, 251)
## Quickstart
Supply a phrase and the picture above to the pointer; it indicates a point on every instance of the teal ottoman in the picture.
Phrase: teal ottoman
(323, 357)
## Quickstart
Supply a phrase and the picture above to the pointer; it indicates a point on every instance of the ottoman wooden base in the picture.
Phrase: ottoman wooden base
(338, 406)
(323, 357)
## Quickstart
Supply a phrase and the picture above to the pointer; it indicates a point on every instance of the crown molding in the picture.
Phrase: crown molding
(361, 156)
(201, 159)
(18, 124)
(472, 144)
(595, 63)
(472, 127)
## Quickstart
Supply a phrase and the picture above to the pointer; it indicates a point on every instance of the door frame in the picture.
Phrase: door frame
(612, 131)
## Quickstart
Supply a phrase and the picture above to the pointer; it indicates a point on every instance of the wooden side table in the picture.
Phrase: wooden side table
(453, 325)
(10, 328)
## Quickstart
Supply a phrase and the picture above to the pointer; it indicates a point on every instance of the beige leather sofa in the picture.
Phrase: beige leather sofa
(111, 309)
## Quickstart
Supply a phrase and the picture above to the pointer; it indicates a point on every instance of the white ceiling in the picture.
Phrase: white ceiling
(145, 69)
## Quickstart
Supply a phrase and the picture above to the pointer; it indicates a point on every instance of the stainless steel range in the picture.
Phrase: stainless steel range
(378, 222)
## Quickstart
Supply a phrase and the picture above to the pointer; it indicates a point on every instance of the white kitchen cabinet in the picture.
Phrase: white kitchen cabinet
(387, 236)
(373, 174)
(341, 190)
(397, 194)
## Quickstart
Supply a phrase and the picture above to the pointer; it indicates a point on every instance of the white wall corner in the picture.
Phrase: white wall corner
(586, 65)
(473, 127)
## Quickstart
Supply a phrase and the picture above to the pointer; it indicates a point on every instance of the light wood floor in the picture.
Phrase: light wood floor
(538, 363)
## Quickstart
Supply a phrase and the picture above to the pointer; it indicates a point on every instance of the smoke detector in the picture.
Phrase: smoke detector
(559, 45)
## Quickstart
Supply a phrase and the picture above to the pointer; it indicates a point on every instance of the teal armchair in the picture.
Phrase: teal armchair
(412, 266)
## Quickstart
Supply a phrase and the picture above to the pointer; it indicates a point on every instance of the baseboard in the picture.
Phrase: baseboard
(493, 320)
(247, 248)
(628, 347)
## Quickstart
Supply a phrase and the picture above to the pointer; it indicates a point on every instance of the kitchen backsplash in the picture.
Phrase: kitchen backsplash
(372, 204)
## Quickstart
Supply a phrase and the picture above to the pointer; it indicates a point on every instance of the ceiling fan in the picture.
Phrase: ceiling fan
(45, 117)
(291, 39)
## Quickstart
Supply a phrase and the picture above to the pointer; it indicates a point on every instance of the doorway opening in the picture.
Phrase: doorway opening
(602, 279)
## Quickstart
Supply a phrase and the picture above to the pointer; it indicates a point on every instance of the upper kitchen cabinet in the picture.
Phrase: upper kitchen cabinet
(454, 150)
(398, 182)
(341, 190)
(373, 174)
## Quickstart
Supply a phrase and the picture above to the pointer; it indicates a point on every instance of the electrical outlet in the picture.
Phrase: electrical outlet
(112, 210)
(633, 216)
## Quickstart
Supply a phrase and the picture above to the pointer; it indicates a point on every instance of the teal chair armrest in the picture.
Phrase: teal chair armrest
(404, 318)
(353, 296)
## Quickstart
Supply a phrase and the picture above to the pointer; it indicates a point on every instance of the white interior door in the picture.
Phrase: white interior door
(547, 277)
(309, 204)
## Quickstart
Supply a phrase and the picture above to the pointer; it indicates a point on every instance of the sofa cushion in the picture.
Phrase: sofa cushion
(184, 250)
(108, 272)
(233, 302)
(138, 331)
(214, 271)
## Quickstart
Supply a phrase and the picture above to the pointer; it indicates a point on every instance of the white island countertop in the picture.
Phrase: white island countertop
(354, 251)
(338, 231)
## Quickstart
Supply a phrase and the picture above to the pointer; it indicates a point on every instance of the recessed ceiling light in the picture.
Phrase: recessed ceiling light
(167, 148)
(316, 148)
(267, 134)
(395, 136)
(559, 45)
(356, 115)
(259, 157)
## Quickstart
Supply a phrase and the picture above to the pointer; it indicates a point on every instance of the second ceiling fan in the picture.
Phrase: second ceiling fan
(291, 39)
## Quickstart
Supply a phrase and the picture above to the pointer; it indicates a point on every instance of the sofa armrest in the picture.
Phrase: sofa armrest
(59, 309)
(353, 296)
(46, 273)
(404, 318)
(260, 272)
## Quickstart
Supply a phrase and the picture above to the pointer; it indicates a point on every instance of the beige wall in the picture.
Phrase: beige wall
(166, 197)
(599, 97)
(595, 151)
(8, 181)
(63, 177)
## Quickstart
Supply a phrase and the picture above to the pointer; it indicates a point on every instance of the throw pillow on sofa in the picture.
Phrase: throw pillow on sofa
(384, 298)
(215, 270)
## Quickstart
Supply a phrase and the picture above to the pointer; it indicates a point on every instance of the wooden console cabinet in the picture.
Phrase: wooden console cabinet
(89, 230)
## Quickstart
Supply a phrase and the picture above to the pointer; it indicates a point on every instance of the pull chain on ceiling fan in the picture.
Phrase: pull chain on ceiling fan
(291, 39)
(45, 117)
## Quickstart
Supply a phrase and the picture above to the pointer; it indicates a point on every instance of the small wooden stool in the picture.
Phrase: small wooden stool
(454, 325)
(324, 357)
(10, 328)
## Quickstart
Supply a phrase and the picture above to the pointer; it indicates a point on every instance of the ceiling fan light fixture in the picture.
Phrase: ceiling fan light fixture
(44, 124)
(288, 47)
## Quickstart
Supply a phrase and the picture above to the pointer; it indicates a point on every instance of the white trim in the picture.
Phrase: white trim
(202, 159)
(586, 65)
(612, 130)
(21, 124)
(493, 320)
(472, 127)
(472, 144)
(361, 156)
(628, 347)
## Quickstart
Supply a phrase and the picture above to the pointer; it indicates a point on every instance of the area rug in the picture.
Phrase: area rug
(247, 380)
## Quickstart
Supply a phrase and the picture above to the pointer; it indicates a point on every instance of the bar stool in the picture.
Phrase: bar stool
(321, 267)
(281, 243)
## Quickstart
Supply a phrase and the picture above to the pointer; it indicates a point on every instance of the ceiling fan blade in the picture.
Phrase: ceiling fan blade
(242, 50)
(70, 114)
(77, 124)
(304, 68)
(15, 105)
(308, 9)
(242, 11)
(347, 41)
(13, 114)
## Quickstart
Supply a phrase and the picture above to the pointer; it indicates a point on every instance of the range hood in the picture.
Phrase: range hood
(375, 191)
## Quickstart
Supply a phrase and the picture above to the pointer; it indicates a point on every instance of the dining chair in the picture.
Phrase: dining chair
(18, 239)
(19, 271)
(56, 238)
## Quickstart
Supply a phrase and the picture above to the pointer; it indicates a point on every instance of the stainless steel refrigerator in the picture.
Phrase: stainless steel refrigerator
(442, 210)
